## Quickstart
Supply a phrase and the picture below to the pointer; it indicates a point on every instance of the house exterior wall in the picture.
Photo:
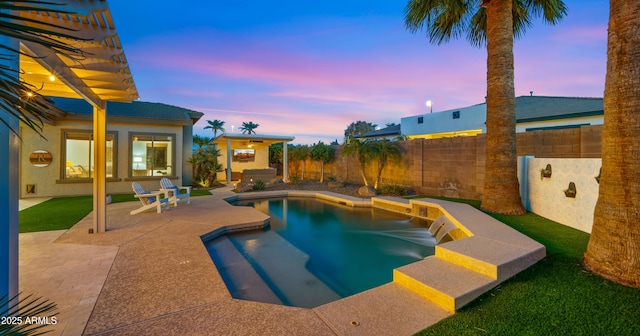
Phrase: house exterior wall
(48, 180)
(471, 118)
(593, 120)
(474, 117)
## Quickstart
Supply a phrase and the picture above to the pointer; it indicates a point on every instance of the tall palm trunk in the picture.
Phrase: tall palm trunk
(614, 247)
(501, 190)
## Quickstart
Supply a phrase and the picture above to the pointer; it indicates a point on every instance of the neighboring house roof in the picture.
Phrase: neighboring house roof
(390, 131)
(128, 112)
(537, 108)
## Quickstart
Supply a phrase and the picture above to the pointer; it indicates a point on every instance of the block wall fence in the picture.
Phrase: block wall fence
(454, 167)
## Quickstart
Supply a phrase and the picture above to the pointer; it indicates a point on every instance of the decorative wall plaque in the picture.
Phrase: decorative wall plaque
(40, 158)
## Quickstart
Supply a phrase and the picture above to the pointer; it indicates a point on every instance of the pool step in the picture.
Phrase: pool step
(242, 281)
(492, 258)
(442, 282)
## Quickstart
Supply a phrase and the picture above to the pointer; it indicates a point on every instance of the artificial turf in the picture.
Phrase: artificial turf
(55, 214)
(556, 296)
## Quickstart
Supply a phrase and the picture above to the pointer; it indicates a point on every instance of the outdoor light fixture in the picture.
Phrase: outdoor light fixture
(430, 106)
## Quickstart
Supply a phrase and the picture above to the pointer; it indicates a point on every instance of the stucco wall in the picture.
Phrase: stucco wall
(546, 195)
(48, 179)
(471, 117)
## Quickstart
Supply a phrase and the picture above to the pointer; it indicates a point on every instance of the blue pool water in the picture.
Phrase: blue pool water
(316, 252)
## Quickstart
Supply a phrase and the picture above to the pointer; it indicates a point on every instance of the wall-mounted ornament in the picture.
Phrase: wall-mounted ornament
(546, 172)
(571, 191)
(40, 158)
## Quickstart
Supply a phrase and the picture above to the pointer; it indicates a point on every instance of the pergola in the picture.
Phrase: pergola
(103, 75)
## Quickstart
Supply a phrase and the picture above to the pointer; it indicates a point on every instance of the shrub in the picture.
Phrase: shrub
(393, 190)
(258, 185)
(332, 178)
(294, 180)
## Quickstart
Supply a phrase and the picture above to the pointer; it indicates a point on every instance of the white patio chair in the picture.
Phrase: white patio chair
(149, 200)
(174, 193)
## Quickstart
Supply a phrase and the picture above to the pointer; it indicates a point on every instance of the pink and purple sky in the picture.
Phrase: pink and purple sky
(310, 69)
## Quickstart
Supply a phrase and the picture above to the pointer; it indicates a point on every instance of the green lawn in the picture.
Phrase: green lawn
(64, 212)
(556, 296)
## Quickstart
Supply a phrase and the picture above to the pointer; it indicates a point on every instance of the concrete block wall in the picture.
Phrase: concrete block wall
(550, 143)
(454, 167)
(449, 167)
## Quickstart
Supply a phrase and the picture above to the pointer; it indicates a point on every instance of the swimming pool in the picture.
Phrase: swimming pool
(316, 251)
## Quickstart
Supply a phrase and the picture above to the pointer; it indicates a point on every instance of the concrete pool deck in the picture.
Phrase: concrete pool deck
(150, 274)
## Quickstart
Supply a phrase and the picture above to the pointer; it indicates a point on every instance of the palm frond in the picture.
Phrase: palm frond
(441, 19)
(446, 19)
(29, 306)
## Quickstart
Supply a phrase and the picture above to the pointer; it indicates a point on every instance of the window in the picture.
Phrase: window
(77, 150)
(152, 154)
(456, 114)
(420, 120)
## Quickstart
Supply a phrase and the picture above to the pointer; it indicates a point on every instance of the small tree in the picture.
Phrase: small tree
(205, 165)
(383, 151)
(358, 128)
(324, 154)
(275, 153)
(300, 153)
(275, 156)
(362, 152)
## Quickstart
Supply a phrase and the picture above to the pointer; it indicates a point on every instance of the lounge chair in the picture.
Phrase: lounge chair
(149, 200)
(174, 192)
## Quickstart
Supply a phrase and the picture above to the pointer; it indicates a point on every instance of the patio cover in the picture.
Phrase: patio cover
(243, 140)
(103, 75)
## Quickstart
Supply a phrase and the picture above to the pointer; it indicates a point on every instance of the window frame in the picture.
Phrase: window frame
(171, 162)
(63, 156)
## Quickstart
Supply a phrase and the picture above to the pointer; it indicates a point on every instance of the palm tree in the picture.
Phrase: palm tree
(614, 246)
(362, 152)
(383, 151)
(494, 23)
(248, 127)
(215, 126)
(205, 165)
(201, 141)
